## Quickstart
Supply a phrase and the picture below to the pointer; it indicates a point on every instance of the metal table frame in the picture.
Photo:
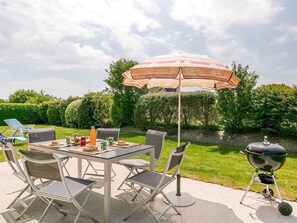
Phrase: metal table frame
(106, 158)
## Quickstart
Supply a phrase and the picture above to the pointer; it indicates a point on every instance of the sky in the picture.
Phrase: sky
(64, 46)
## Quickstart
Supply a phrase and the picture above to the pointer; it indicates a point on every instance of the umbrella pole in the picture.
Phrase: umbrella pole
(177, 198)
(179, 110)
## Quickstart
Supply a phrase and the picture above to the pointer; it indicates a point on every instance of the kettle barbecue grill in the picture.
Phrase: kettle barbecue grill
(266, 158)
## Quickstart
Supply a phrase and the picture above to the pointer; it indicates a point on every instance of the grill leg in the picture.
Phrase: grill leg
(277, 189)
(249, 186)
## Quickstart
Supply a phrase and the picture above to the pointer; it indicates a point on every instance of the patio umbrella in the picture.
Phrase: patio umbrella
(176, 71)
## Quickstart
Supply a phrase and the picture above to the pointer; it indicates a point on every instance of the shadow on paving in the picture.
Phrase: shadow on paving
(201, 211)
(269, 214)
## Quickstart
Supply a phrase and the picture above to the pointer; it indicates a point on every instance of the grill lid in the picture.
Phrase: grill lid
(266, 148)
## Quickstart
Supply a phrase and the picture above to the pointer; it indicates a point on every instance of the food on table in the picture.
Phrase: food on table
(54, 143)
(90, 148)
(122, 142)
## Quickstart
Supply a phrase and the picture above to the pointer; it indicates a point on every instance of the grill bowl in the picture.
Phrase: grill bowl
(266, 157)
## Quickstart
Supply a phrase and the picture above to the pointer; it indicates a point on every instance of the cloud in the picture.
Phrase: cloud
(57, 35)
(288, 34)
(217, 17)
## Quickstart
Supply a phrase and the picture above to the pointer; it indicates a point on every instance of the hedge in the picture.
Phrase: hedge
(275, 109)
(56, 113)
(198, 109)
(25, 113)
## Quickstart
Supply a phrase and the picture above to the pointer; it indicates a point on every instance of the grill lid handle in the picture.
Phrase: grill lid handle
(266, 142)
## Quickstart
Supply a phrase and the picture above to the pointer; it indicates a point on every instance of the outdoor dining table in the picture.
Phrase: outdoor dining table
(113, 154)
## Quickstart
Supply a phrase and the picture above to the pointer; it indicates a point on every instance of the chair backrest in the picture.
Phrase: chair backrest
(175, 159)
(40, 165)
(104, 133)
(156, 139)
(13, 123)
(42, 134)
(10, 155)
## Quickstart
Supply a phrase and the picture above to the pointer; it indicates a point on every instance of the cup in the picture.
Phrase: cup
(103, 145)
(110, 141)
(68, 140)
(83, 141)
(74, 136)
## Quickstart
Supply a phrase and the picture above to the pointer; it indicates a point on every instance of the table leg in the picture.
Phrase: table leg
(79, 168)
(107, 192)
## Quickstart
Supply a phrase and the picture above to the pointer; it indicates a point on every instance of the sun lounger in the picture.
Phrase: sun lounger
(16, 126)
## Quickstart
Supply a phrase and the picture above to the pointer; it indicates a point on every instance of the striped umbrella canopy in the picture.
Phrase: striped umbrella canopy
(190, 70)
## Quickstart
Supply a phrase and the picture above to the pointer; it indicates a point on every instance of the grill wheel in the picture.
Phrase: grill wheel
(266, 193)
(285, 208)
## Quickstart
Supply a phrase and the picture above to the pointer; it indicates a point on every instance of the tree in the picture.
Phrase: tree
(125, 97)
(29, 96)
(235, 105)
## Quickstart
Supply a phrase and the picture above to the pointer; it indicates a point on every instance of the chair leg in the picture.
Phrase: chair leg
(82, 210)
(18, 196)
(143, 202)
(114, 173)
(169, 202)
(64, 166)
(24, 211)
(96, 170)
(139, 190)
(131, 171)
(14, 132)
(89, 165)
(46, 209)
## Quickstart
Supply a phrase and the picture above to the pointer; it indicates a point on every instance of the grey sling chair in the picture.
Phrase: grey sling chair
(11, 157)
(47, 134)
(156, 182)
(154, 138)
(102, 133)
(49, 166)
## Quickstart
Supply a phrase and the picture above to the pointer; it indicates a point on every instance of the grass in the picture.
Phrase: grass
(220, 164)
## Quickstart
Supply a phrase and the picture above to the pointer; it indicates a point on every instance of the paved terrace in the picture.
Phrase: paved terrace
(214, 203)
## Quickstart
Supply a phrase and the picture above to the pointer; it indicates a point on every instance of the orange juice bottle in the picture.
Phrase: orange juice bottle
(93, 136)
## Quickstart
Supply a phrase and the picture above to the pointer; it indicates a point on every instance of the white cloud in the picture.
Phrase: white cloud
(217, 16)
(49, 35)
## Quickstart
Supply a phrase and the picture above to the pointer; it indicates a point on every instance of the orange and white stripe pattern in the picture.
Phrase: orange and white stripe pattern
(192, 70)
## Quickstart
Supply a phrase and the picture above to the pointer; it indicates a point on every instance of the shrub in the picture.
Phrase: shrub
(95, 110)
(56, 113)
(101, 104)
(72, 115)
(25, 113)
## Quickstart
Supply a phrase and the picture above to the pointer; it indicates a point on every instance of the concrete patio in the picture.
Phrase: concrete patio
(214, 203)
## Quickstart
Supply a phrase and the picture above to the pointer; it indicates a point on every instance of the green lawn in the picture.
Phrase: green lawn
(220, 164)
